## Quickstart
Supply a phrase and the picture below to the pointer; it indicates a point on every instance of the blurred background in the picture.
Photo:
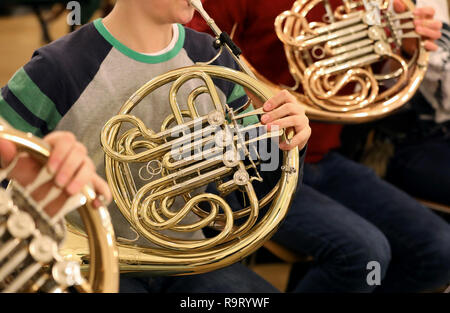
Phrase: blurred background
(25, 25)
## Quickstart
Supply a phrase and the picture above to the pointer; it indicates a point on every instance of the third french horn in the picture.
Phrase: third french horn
(346, 58)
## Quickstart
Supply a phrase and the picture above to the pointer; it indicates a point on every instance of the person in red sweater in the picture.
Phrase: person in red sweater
(346, 217)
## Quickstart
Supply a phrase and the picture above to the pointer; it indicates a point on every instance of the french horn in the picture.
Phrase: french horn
(32, 242)
(158, 173)
(346, 58)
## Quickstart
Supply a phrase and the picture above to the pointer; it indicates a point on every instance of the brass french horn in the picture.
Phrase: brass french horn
(31, 242)
(348, 64)
(158, 174)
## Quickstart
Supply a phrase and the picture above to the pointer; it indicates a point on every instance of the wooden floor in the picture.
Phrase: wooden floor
(275, 273)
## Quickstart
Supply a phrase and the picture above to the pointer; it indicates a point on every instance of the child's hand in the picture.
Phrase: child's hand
(425, 25)
(284, 111)
(69, 163)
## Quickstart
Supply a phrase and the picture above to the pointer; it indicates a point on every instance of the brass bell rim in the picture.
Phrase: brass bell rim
(157, 261)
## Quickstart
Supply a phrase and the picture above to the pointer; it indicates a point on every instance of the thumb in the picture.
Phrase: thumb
(399, 6)
(7, 152)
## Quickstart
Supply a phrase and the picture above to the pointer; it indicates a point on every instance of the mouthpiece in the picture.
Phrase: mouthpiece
(222, 37)
(197, 4)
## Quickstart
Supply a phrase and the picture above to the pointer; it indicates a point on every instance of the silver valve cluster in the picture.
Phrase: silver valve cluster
(29, 258)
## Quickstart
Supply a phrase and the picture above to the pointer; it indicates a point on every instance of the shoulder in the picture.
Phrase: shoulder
(198, 45)
(45, 88)
(65, 67)
(85, 45)
(200, 48)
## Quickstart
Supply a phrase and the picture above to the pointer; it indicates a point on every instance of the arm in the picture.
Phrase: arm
(32, 99)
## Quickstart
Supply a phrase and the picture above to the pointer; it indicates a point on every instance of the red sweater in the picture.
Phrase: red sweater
(255, 35)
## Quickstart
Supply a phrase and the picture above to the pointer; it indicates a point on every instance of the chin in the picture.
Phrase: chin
(186, 17)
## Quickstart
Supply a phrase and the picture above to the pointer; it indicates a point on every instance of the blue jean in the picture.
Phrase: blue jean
(236, 278)
(422, 169)
(345, 217)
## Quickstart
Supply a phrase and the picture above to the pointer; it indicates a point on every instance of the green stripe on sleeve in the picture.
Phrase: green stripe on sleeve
(15, 120)
(249, 120)
(34, 99)
(238, 91)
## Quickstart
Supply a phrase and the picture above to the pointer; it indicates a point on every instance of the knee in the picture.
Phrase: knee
(363, 247)
(366, 257)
